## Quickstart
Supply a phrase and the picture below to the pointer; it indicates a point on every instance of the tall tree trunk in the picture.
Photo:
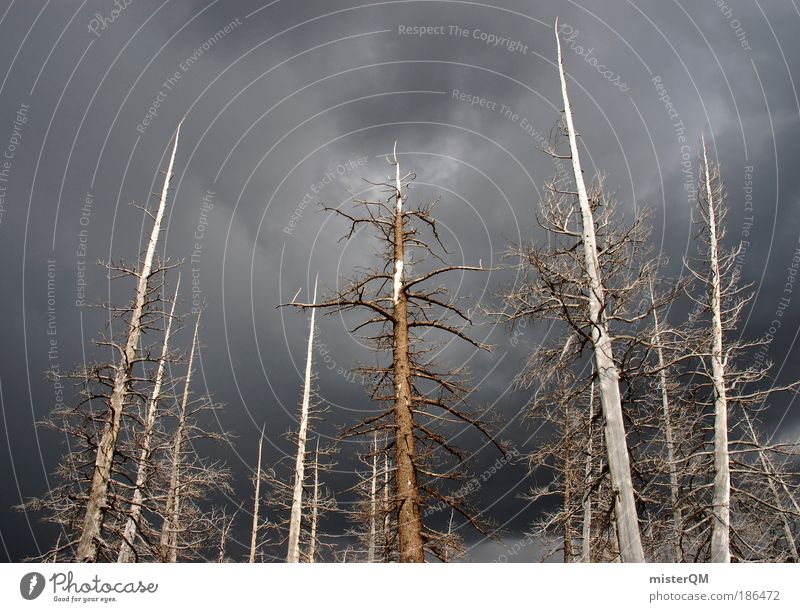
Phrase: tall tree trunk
(568, 487)
(256, 499)
(373, 501)
(720, 533)
(446, 552)
(97, 501)
(677, 519)
(586, 544)
(293, 554)
(386, 510)
(628, 533)
(409, 523)
(312, 544)
(223, 536)
(172, 516)
(126, 551)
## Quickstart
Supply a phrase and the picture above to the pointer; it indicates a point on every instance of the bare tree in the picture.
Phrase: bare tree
(588, 278)
(185, 525)
(92, 499)
(171, 526)
(90, 539)
(603, 354)
(293, 554)
(415, 395)
(127, 551)
(721, 381)
(256, 500)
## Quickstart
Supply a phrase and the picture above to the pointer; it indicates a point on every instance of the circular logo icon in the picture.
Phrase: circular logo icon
(31, 585)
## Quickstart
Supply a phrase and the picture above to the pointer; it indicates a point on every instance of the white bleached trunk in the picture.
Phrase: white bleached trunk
(312, 545)
(586, 545)
(172, 516)
(449, 536)
(293, 554)
(677, 519)
(98, 489)
(627, 521)
(256, 499)
(720, 533)
(126, 551)
(397, 280)
(373, 501)
(386, 509)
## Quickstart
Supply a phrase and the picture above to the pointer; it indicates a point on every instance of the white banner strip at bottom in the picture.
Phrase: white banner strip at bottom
(356, 587)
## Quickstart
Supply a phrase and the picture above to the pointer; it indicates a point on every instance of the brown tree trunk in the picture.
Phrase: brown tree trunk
(409, 524)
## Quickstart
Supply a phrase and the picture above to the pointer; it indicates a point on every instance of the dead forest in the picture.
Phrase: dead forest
(649, 423)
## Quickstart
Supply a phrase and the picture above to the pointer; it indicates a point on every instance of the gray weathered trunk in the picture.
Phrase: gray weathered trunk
(126, 551)
(586, 544)
(630, 542)
(293, 554)
(312, 544)
(172, 514)
(97, 500)
(721, 503)
(256, 499)
(373, 501)
(677, 519)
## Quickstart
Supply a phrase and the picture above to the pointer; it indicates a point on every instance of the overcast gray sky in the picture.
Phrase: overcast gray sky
(288, 103)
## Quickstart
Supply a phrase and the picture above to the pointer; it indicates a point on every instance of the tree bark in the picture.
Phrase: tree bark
(169, 531)
(677, 519)
(126, 551)
(373, 501)
(293, 554)
(607, 376)
(409, 524)
(586, 544)
(312, 544)
(97, 501)
(720, 533)
(256, 499)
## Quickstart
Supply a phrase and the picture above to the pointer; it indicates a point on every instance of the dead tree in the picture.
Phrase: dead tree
(256, 500)
(371, 514)
(170, 528)
(127, 551)
(92, 498)
(723, 382)
(416, 398)
(91, 534)
(293, 553)
(603, 353)
(185, 525)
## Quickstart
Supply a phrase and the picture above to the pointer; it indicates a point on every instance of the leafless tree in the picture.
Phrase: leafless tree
(256, 501)
(417, 399)
(724, 380)
(185, 525)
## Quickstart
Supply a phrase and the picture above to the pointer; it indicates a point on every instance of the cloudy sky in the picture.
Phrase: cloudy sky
(292, 102)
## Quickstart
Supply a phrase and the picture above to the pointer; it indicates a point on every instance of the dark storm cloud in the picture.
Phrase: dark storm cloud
(301, 91)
